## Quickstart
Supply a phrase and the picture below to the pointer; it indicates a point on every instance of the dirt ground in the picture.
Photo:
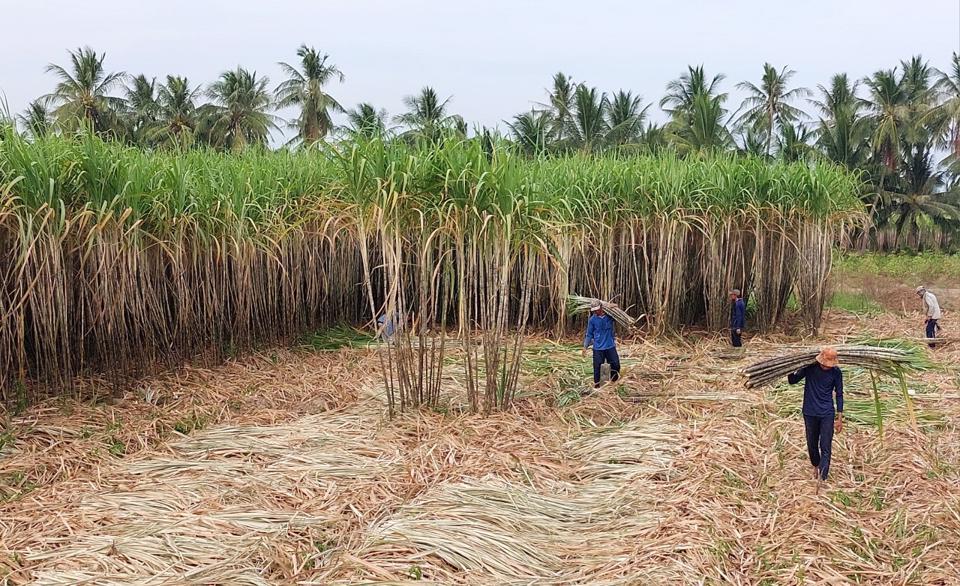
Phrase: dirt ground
(281, 468)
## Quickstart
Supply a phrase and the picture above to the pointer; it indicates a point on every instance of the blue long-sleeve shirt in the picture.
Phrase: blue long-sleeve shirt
(599, 333)
(387, 325)
(818, 389)
(738, 315)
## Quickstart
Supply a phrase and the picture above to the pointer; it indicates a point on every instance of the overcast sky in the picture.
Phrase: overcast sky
(494, 57)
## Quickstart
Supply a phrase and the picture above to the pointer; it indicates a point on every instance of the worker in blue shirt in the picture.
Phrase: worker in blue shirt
(738, 317)
(821, 381)
(600, 336)
(386, 327)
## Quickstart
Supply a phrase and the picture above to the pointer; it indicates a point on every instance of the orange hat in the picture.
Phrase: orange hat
(828, 357)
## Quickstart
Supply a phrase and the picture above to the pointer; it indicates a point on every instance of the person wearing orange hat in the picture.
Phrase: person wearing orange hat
(822, 380)
(600, 336)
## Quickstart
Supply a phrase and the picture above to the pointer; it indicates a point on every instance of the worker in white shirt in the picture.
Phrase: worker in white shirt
(931, 312)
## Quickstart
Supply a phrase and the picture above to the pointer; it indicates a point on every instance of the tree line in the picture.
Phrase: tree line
(898, 128)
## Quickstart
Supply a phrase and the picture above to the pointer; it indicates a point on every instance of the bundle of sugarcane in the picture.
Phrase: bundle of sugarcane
(578, 304)
(886, 360)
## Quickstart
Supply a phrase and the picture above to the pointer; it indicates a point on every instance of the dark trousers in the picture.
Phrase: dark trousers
(735, 338)
(932, 330)
(819, 441)
(609, 355)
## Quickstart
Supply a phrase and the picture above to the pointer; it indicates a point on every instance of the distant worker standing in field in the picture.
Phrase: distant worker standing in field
(821, 381)
(600, 336)
(738, 318)
(931, 313)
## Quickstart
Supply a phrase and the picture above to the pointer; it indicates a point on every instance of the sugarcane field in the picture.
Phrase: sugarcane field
(297, 322)
(242, 417)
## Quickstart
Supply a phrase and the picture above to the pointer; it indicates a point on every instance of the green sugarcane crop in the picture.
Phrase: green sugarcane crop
(118, 259)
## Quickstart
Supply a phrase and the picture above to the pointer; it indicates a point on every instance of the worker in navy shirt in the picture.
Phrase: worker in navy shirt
(821, 381)
(738, 317)
(600, 336)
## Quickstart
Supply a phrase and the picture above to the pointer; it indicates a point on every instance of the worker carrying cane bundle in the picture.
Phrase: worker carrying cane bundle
(600, 335)
(822, 380)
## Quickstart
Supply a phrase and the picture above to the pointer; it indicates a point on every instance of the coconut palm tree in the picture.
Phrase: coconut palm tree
(304, 88)
(920, 132)
(843, 133)
(919, 200)
(794, 142)
(839, 98)
(459, 126)
(177, 116)
(82, 94)
(426, 117)
(946, 116)
(682, 92)
(559, 106)
(845, 141)
(36, 120)
(240, 112)
(141, 111)
(655, 138)
(768, 107)
(531, 131)
(626, 116)
(888, 112)
(702, 128)
(752, 142)
(366, 121)
(589, 125)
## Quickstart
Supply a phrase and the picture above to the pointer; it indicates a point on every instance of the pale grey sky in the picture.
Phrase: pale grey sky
(494, 57)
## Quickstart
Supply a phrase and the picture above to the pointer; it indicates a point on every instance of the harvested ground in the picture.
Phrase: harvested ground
(282, 468)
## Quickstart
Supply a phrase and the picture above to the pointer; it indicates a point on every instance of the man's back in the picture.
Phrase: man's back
(931, 306)
(818, 389)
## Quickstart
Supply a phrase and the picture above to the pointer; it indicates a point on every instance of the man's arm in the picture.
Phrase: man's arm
(838, 423)
(839, 389)
(797, 376)
(588, 339)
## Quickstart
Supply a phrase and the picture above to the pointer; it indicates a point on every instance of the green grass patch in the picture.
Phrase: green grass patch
(7, 438)
(912, 268)
(336, 338)
(854, 302)
(116, 447)
(190, 423)
(14, 485)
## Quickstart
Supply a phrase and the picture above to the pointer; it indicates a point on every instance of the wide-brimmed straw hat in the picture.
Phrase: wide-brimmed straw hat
(828, 357)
